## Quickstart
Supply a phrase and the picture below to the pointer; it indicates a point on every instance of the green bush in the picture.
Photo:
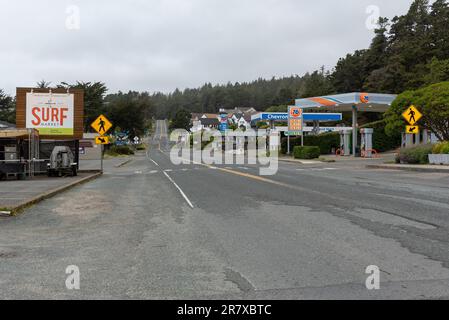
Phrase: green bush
(326, 142)
(441, 148)
(141, 147)
(307, 152)
(445, 149)
(416, 154)
(120, 150)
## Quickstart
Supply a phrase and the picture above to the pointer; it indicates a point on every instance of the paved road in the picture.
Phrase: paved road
(154, 230)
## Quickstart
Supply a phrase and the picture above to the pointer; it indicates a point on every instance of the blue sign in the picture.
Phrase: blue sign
(307, 117)
(223, 126)
(223, 122)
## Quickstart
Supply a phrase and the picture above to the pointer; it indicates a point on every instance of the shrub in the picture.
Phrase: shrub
(441, 148)
(141, 147)
(445, 149)
(120, 150)
(326, 142)
(416, 154)
(307, 152)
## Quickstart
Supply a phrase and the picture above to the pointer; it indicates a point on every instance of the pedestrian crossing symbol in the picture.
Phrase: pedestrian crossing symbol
(412, 115)
(101, 125)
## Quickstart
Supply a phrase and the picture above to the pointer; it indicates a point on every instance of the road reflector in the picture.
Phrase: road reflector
(412, 129)
(101, 125)
(412, 115)
(102, 140)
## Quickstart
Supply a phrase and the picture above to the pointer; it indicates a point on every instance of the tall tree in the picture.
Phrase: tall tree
(7, 108)
(439, 18)
(94, 93)
(181, 120)
(376, 55)
(43, 84)
(349, 74)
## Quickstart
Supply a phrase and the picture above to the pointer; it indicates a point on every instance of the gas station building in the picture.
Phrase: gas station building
(317, 110)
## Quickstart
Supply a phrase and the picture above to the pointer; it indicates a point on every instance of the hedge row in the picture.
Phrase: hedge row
(121, 150)
(415, 155)
(441, 148)
(308, 152)
(325, 142)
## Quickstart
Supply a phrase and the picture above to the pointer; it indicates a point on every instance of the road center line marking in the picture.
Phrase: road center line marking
(154, 162)
(179, 189)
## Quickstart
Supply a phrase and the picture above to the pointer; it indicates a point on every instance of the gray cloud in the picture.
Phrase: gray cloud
(160, 45)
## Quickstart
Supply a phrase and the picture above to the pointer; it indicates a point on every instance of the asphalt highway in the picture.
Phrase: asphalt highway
(155, 230)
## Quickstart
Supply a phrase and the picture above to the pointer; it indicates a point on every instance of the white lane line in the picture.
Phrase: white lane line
(154, 162)
(168, 170)
(179, 189)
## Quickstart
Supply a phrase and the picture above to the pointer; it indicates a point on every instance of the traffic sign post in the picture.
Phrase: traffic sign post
(412, 116)
(102, 125)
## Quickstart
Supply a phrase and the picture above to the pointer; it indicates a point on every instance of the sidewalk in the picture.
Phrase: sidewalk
(89, 165)
(411, 167)
(384, 157)
(17, 194)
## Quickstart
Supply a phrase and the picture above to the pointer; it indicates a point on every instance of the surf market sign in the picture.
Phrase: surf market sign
(50, 113)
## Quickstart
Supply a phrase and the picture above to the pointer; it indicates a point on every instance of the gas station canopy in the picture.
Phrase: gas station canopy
(354, 102)
(364, 102)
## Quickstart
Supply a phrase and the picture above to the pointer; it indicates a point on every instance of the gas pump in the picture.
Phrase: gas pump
(345, 137)
(367, 142)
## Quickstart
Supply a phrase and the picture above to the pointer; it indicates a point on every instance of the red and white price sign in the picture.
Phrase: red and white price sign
(295, 120)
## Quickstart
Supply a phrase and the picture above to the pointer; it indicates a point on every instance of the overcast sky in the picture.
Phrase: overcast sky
(160, 45)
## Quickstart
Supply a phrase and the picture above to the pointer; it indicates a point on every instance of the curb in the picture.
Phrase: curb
(51, 193)
(123, 163)
(298, 161)
(414, 169)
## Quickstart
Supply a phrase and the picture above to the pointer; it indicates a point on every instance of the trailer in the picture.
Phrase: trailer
(19, 153)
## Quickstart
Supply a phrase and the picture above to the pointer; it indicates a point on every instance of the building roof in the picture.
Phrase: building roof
(5, 125)
(209, 122)
(239, 110)
(198, 116)
(17, 133)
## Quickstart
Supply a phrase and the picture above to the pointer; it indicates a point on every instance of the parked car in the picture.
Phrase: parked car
(62, 162)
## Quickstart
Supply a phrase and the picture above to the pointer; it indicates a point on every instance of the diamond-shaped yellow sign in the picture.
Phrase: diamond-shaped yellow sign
(101, 125)
(412, 115)
(412, 129)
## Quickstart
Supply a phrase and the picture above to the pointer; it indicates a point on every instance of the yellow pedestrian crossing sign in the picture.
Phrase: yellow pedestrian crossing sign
(102, 140)
(101, 125)
(412, 115)
(412, 129)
